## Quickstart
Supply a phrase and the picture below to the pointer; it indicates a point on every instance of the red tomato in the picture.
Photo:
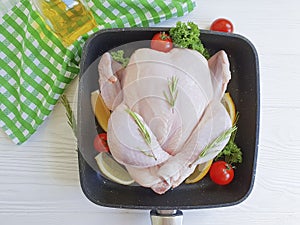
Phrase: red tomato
(161, 42)
(100, 143)
(222, 25)
(221, 173)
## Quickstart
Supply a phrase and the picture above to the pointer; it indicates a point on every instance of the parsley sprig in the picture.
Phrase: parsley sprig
(187, 35)
(119, 57)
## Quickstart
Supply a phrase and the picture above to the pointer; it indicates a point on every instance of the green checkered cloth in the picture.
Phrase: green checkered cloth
(35, 67)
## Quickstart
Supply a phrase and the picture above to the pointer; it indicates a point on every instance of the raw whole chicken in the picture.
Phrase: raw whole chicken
(166, 108)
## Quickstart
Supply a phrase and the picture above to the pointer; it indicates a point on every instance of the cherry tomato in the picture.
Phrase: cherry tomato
(100, 143)
(161, 42)
(222, 25)
(221, 173)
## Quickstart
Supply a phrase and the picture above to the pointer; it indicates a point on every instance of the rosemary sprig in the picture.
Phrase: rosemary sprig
(143, 132)
(141, 126)
(173, 92)
(147, 154)
(231, 153)
(69, 114)
(226, 134)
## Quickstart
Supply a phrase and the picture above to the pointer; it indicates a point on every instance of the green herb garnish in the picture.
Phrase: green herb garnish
(187, 35)
(141, 126)
(69, 114)
(226, 134)
(173, 92)
(119, 57)
(143, 132)
(147, 154)
(231, 153)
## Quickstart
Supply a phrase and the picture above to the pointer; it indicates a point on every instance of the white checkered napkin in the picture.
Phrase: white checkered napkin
(35, 68)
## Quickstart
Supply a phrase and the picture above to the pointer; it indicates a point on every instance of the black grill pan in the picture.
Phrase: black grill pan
(244, 89)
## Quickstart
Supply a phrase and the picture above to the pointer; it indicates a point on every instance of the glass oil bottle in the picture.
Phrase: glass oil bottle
(68, 19)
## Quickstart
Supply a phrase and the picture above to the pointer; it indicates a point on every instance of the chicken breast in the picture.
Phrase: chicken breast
(166, 110)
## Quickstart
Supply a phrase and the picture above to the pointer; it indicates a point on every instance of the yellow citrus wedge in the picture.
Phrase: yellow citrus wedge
(100, 110)
(230, 106)
(200, 171)
(112, 170)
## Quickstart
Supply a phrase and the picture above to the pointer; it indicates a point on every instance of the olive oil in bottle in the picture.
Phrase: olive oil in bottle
(68, 19)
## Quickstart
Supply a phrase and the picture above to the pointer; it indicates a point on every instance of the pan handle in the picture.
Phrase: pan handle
(166, 217)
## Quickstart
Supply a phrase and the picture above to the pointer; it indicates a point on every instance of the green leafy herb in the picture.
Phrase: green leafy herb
(143, 132)
(231, 153)
(141, 126)
(119, 57)
(69, 114)
(147, 154)
(187, 35)
(173, 92)
(227, 133)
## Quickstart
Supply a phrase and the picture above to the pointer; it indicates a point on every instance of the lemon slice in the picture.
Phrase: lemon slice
(100, 110)
(200, 171)
(230, 106)
(111, 169)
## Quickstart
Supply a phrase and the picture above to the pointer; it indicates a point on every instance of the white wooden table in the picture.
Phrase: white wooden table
(39, 181)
